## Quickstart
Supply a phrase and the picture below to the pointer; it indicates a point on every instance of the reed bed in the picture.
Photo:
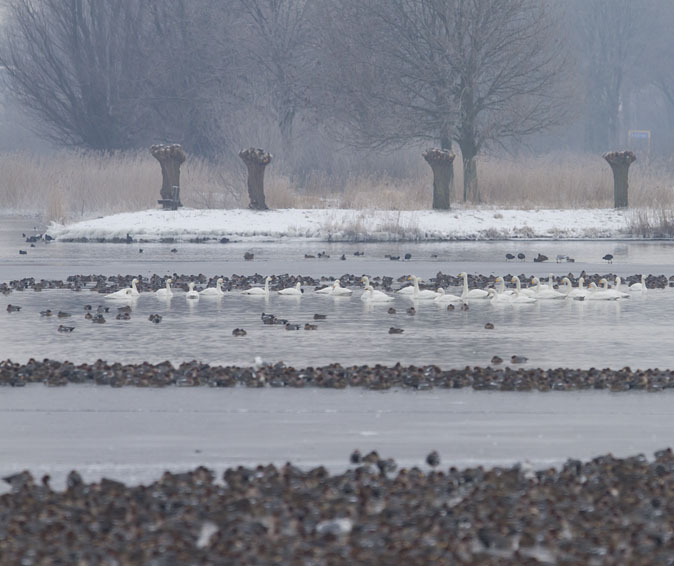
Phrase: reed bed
(71, 186)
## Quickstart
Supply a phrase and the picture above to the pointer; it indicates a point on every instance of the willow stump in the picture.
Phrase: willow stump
(170, 158)
(256, 160)
(620, 162)
(442, 164)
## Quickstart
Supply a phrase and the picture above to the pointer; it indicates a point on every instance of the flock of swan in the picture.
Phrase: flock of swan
(538, 291)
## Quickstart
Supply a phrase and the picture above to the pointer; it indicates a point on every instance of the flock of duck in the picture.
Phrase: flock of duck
(606, 510)
(552, 290)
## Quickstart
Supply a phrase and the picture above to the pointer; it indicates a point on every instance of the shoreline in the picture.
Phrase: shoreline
(348, 225)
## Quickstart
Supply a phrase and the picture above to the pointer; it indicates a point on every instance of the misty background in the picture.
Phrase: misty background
(344, 93)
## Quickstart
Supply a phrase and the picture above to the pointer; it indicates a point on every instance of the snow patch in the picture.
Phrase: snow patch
(349, 225)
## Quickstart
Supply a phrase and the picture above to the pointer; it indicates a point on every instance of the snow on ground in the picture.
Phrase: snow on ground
(350, 225)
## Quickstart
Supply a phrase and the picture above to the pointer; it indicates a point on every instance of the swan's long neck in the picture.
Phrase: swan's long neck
(518, 285)
(581, 282)
(133, 286)
(441, 291)
(366, 281)
(218, 285)
(168, 286)
(465, 283)
(551, 281)
(266, 286)
(538, 284)
(604, 285)
(617, 283)
(501, 285)
(415, 282)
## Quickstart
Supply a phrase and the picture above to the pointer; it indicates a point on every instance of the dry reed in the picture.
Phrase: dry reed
(71, 186)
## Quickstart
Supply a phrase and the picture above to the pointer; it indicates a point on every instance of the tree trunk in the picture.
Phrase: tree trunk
(256, 160)
(620, 162)
(470, 188)
(441, 162)
(170, 158)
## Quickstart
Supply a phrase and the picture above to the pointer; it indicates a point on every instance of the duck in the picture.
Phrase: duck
(545, 293)
(295, 291)
(444, 298)
(339, 291)
(258, 291)
(473, 293)
(618, 294)
(639, 287)
(574, 292)
(127, 293)
(596, 294)
(166, 292)
(420, 295)
(372, 296)
(214, 291)
(191, 293)
(519, 290)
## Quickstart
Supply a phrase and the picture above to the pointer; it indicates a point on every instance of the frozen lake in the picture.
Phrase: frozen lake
(135, 434)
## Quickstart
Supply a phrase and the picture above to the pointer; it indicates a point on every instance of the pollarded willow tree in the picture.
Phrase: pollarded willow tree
(473, 72)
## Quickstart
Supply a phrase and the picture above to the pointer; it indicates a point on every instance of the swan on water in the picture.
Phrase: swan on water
(545, 293)
(519, 299)
(639, 286)
(501, 288)
(596, 294)
(166, 292)
(191, 293)
(498, 298)
(365, 281)
(444, 298)
(295, 291)
(473, 293)
(519, 290)
(408, 290)
(417, 294)
(327, 290)
(339, 291)
(214, 291)
(574, 292)
(258, 291)
(617, 294)
(623, 295)
(372, 296)
(127, 293)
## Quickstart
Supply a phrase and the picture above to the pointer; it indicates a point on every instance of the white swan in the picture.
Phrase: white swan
(596, 294)
(258, 291)
(127, 293)
(501, 288)
(327, 290)
(408, 290)
(339, 291)
(639, 287)
(518, 298)
(519, 290)
(473, 293)
(295, 291)
(498, 298)
(617, 288)
(545, 293)
(444, 298)
(166, 292)
(191, 293)
(214, 291)
(425, 295)
(365, 281)
(574, 292)
(617, 294)
(372, 296)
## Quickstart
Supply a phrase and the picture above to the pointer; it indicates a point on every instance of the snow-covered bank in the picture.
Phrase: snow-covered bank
(350, 225)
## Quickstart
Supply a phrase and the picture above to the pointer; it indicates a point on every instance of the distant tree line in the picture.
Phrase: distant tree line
(218, 75)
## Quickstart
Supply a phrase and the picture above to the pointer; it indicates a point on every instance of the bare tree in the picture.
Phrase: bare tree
(472, 71)
(609, 33)
(75, 65)
(275, 39)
